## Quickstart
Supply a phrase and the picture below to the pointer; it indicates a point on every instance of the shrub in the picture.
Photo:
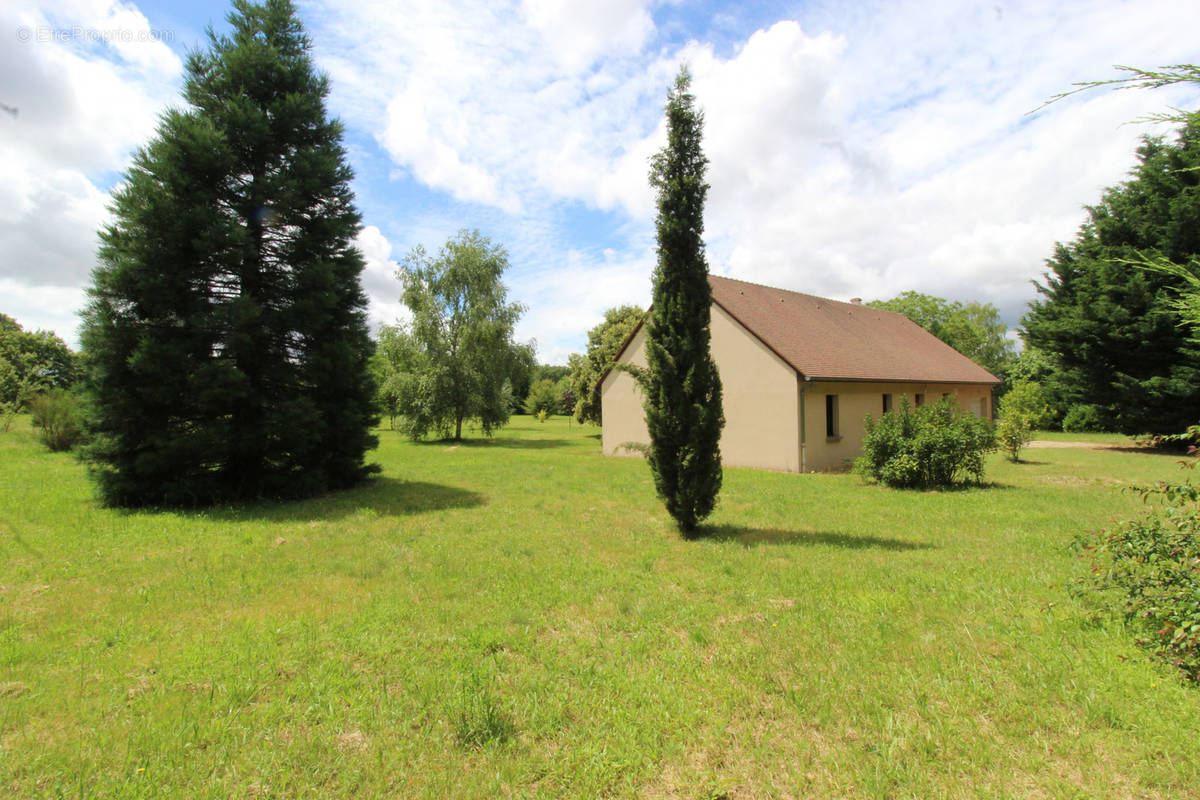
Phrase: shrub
(935, 445)
(1022, 410)
(566, 400)
(10, 383)
(543, 396)
(1012, 434)
(1150, 568)
(389, 396)
(57, 417)
(1082, 418)
(15, 392)
(8, 412)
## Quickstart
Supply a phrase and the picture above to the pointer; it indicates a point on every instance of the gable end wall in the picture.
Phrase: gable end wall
(759, 394)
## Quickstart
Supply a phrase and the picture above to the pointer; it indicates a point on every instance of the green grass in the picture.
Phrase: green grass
(1118, 439)
(518, 618)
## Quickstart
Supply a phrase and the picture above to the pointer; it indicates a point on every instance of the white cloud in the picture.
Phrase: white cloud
(48, 234)
(379, 279)
(500, 105)
(895, 153)
(565, 302)
(578, 32)
(51, 308)
(416, 135)
(88, 81)
(861, 150)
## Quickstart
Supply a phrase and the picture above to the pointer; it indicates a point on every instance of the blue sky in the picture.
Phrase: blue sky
(857, 149)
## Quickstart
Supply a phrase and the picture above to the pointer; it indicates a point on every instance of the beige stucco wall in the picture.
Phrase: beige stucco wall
(856, 400)
(762, 398)
(759, 399)
(621, 402)
(762, 416)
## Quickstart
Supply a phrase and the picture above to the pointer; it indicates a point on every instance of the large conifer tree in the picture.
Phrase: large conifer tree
(1109, 324)
(226, 333)
(681, 384)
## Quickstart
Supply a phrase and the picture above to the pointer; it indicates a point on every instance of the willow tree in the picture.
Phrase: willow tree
(681, 385)
(461, 360)
(226, 335)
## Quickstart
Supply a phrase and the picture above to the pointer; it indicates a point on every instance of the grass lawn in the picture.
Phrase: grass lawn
(518, 618)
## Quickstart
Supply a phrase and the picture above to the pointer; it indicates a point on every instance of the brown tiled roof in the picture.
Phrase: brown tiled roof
(826, 339)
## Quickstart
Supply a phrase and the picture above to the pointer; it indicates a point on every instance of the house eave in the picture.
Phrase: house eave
(938, 381)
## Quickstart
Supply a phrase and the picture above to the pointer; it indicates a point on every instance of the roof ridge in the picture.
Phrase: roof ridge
(804, 294)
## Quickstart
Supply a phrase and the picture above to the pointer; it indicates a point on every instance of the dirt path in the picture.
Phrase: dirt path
(1087, 445)
(1081, 445)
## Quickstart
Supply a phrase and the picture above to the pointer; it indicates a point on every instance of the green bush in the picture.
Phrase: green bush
(10, 383)
(8, 412)
(1150, 568)
(57, 417)
(1081, 418)
(543, 396)
(1012, 434)
(1022, 410)
(935, 445)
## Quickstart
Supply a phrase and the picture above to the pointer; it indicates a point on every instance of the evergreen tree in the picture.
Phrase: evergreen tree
(1111, 325)
(226, 333)
(681, 384)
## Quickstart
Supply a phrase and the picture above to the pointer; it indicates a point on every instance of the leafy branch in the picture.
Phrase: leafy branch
(1186, 300)
(1137, 78)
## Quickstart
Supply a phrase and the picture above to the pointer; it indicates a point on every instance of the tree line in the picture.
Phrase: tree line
(226, 354)
(35, 366)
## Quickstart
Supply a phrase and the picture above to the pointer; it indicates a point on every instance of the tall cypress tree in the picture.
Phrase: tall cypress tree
(681, 384)
(226, 333)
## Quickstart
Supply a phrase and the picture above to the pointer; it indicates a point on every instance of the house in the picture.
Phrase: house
(799, 373)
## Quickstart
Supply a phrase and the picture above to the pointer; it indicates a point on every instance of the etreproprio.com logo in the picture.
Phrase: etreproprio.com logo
(84, 35)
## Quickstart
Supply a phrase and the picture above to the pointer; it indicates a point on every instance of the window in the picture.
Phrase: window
(831, 416)
(920, 400)
(983, 411)
(887, 403)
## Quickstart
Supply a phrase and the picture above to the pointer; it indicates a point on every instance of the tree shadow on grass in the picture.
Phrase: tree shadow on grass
(385, 497)
(758, 537)
(952, 488)
(502, 442)
(1147, 451)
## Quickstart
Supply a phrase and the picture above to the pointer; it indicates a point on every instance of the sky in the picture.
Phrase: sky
(856, 149)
